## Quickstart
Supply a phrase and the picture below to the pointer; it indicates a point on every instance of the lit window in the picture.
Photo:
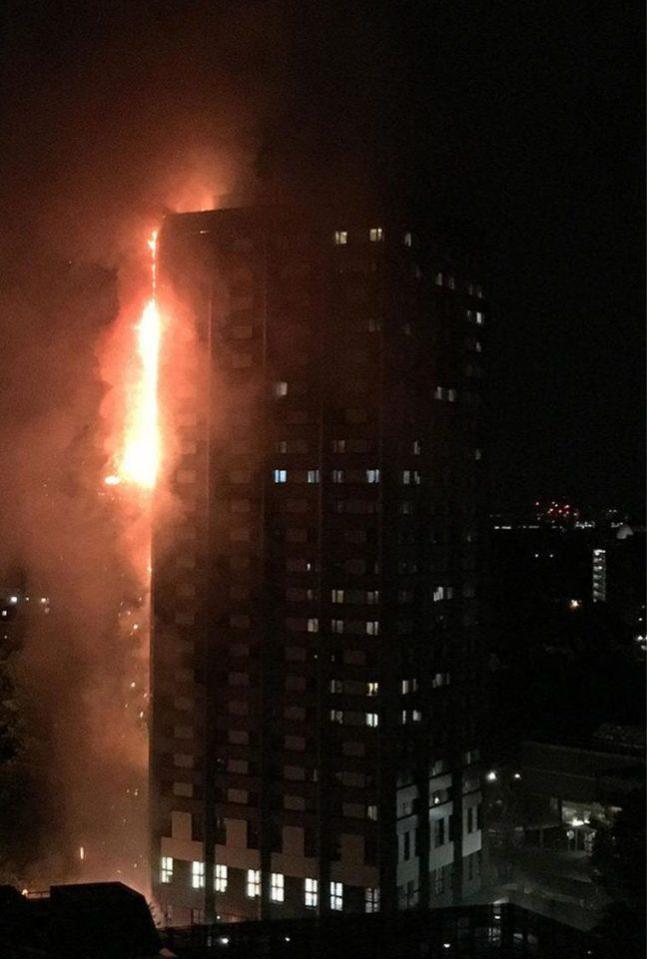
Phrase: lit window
(477, 454)
(280, 388)
(451, 283)
(451, 395)
(341, 237)
(197, 875)
(406, 477)
(311, 891)
(313, 625)
(372, 476)
(337, 625)
(336, 686)
(480, 318)
(373, 627)
(372, 596)
(438, 279)
(372, 900)
(371, 812)
(220, 878)
(372, 719)
(166, 869)
(338, 476)
(407, 239)
(376, 234)
(336, 715)
(313, 476)
(439, 393)
(280, 476)
(337, 595)
(277, 887)
(416, 716)
(404, 687)
(479, 292)
(336, 896)
(253, 885)
(416, 448)
(372, 689)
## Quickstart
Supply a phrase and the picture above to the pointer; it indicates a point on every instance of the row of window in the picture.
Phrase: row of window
(277, 885)
(337, 476)
(346, 717)
(371, 627)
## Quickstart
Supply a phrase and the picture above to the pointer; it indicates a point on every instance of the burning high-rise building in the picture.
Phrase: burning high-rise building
(316, 663)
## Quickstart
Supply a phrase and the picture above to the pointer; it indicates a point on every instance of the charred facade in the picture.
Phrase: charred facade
(316, 658)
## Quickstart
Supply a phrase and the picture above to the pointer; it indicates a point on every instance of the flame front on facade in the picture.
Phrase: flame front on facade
(138, 460)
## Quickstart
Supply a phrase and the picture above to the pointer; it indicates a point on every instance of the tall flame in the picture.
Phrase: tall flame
(139, 460)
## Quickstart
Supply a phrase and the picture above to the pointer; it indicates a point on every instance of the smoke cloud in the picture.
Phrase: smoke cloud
(114, 113)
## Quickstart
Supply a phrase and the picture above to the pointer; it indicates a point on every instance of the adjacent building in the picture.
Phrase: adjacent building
(316, 660)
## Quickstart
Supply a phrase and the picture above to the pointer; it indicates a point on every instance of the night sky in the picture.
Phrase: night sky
(527, 117)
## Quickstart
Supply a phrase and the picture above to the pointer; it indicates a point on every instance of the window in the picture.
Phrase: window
(337, 596)
(407, 239)
(439, 833)
(480, 318)
(373, 627)
(372, 596)
(452, 395)
(372, 898)
(337, 476)
(280, 476)
(339, 446)
(439, 393)
(336, 686)
(451, 282)
(372, 476)
(372, 689)
(280, 388)
(197, 875)
(376, 234)
(477, 454)
(277, 887)
(341, 237)
(374, 324)
(253, 885)
(371, 812)
(337, 716)
(313, 625)
(311, 892)
(166, 869)
(313, 476)
(336, 896)
(220, 878)
(372, 719)
(337, 625)
(438, 279)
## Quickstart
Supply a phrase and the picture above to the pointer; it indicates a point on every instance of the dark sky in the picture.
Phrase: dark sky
(528, 117)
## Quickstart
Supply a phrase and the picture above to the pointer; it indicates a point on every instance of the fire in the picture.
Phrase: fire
(138, 462)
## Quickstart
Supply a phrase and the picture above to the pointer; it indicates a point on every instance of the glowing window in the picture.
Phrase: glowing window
(372, 476)
(407, 239)
(277, 887)
(336, 896)
(313, 625)
(372, 719)
(373, 627)
(313, 476)
(311, 892)
(371, 812)
(338, 476)
(166, 869)
(337, 625)
(376, 234)
(253, 884)
(341, 237)
(337, 595)
(220, 878)
(280, 476)
(197, 875)
(336, 715)
(372, 689)
(280, 388)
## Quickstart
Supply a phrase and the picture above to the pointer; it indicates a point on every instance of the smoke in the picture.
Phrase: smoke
(114, 113)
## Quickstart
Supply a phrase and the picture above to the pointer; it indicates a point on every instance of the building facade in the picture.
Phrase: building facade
(316, 661)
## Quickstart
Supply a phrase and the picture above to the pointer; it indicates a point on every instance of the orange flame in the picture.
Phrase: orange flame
(138, 462)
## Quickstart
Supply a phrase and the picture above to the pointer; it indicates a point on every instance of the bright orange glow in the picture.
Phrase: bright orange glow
(138, 461)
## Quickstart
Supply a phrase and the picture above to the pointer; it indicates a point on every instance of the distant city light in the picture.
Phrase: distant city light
(575, 604)
(491, 776)
(517, 776)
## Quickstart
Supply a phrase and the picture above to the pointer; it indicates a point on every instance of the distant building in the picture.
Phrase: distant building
(316, 658)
